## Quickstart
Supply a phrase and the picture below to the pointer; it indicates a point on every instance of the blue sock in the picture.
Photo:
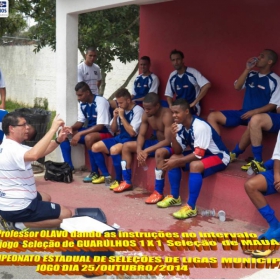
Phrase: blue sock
(127, 176)
(257, 152)
(268, 214)
(159, 185)
(100, 160)
(94, 167)
(174, 176)
(237, 150)
(118, 167)
(66, 152)
(195, 183)
(269, 164)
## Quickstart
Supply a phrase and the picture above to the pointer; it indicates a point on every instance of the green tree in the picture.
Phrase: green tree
(15, 22)
(114, 32)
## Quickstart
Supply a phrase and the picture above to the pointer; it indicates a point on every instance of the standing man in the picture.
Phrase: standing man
(145, 82)
(92, 126)
(89, 72)
(208, 155)
(185, 82)
(2, 91)
(20, 203)
(262, 95)
(160, 120)
(267, 183)
(126, 121)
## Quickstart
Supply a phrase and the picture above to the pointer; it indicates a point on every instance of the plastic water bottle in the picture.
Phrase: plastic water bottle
(252, 62)
(208, 213)
(145, 166)
(250, 171)
(107, 181)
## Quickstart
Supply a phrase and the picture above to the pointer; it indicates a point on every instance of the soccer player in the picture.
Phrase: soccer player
(208, 155)
(185, 82)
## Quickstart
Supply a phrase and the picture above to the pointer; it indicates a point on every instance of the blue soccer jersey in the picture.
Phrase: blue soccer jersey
(201, 135)
(261, 90)
(95, 113)
(2, 114)
(145, 84)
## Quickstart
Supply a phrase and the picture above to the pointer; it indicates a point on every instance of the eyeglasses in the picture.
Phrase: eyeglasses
(24, 124)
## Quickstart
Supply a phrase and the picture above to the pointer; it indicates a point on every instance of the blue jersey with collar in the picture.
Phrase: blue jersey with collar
(142, 85)
(260, 90)
(201, 134)
(90, 111)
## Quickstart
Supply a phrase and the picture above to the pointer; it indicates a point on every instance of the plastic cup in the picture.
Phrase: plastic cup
(222, 215)
(250, 171)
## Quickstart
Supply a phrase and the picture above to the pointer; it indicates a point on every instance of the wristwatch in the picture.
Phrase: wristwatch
(56, 141)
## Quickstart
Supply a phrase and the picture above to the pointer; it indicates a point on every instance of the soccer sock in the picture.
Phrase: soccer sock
(94, 167)
(126, 173)
(237, 150)
(66, 152)
(269, 164)
(174, 176)
(99, 158)
(159, 181)
(118, 168)
(268, 214)
(257, 152)
(195, 183)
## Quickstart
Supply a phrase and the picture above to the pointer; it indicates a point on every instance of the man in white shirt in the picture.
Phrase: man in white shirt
(20, 202)
(89, 72)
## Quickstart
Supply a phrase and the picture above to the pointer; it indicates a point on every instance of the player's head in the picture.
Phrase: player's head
(145, 64)
(15, 125)
(177, 59)
(151, 104)
(83, 92)
(91, 55)
(123, 98)
(272, 55)
(181, 110)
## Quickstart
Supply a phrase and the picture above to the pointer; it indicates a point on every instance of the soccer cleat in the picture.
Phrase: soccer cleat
(99, 180)
(185, 212)
(114, 185)
(90, 177)
(155, 197)
(257, 166)
(246, 166)
(6, 225)
(124, 186)
(168, 201)
(233, 156)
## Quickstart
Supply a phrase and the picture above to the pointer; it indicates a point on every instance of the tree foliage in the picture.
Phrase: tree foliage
(114, 32)
(15, 22)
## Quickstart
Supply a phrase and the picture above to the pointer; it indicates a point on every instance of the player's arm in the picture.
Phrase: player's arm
(177, 147)
(40, 148)
(142, 133)
(267, 108)
(169, 100)
(239, 83)
(201, 94)
(3, 98)
(99, 83)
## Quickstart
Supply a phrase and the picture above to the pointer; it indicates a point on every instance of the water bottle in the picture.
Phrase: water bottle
(250, 171)
(107, 181)
(208, 213)
(252, 62)
(145, 166)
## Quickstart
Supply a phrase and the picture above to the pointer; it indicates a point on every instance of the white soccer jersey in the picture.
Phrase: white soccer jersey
(89, 74)
(276, 152)
(2, 81)
(17, 182)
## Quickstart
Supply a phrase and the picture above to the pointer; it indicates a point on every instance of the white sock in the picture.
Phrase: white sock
(20, 226)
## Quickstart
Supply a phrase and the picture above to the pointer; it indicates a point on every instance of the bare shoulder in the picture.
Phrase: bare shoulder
(167, 115)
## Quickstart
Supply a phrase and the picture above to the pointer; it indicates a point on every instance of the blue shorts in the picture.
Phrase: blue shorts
(117, 140)
(269, 177)
(233, 118)
(275, 118)
(212, 164)
(149, 143)
(36, 211)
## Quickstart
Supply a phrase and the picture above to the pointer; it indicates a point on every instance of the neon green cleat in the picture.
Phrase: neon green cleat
(185, 212)
(114, 185)
(168, 201)
(99, 180)
(246, 166)
(232, 156)
(257, 166)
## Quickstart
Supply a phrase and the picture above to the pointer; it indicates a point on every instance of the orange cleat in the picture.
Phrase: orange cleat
(154, 198)
(124, 186)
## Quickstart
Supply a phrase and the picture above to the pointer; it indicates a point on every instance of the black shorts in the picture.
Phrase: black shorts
(36, 211)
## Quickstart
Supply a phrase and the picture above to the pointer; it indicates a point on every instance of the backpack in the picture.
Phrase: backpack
(58, 172)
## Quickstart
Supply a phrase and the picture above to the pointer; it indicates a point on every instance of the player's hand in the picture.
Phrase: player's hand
(277, 182)
(68, 129)
(169, 164)
(62, 134)
(121, 113)
(251, 63)
(248, 115)
(142, 156)
(75, 139)
(116, 113)
(174, 129)
(57, 122)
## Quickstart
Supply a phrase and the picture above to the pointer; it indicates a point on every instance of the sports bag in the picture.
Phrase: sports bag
(58, 172)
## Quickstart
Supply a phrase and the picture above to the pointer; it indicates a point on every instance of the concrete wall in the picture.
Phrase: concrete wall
(29, 75)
